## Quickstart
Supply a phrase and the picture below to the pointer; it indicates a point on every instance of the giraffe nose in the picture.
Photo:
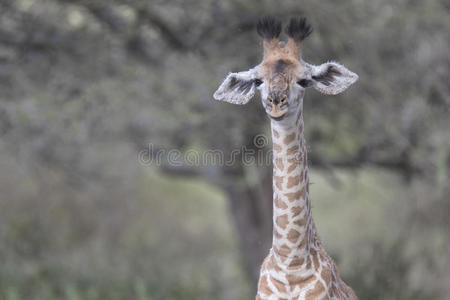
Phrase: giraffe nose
(277, 100)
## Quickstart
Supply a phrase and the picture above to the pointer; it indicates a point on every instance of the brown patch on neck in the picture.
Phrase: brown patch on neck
(296, 195)
(279, 285)
(296, 263)
(282, 221)
(293, 235)
(295, 280)
(278, 182)
(289, 139)
(293, 181)
(292, 150)
(315, 292)
(297, 210)
(279, 164)
(301, 222)
(280, 203)
(264, 286)
(276, 147)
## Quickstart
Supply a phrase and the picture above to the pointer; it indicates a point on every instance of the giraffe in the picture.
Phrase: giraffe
(297, 266)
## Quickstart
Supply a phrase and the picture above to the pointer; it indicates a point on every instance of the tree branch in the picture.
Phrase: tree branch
(168, 34)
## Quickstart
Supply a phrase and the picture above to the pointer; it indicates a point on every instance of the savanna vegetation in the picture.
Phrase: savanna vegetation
(87, 86)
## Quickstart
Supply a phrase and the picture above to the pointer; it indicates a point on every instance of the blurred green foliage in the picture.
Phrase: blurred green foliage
(85, 85)
(142, 248)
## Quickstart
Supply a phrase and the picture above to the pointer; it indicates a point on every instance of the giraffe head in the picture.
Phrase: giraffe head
(283, 76)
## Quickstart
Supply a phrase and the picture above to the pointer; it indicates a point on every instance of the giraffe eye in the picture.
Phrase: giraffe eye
(304, 83)
(258, 82)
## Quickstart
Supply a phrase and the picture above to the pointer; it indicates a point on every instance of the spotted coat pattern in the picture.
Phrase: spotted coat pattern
(297, 266)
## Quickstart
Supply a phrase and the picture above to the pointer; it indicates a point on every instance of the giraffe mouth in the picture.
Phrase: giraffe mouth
(278, 113)
(277, 118)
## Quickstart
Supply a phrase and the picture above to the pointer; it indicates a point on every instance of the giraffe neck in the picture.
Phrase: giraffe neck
(293, 229)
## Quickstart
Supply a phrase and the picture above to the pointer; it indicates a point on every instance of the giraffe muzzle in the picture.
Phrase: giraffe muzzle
(276, 108)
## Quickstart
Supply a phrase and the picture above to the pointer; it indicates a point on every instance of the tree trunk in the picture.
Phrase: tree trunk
(251, 210)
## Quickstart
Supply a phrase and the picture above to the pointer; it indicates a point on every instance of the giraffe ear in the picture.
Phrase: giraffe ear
(332, 78)
(238, 88)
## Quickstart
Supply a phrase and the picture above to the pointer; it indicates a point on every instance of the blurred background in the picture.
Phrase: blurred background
(87, 86)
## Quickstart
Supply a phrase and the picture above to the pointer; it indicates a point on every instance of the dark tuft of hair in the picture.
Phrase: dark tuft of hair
(327, 76)
(298, 29)
(268, 27)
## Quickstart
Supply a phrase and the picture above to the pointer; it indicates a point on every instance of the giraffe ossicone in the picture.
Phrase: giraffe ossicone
(297, 266)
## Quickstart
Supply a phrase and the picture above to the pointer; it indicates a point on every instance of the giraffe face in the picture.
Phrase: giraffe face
(280, 84)
(283, 76)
